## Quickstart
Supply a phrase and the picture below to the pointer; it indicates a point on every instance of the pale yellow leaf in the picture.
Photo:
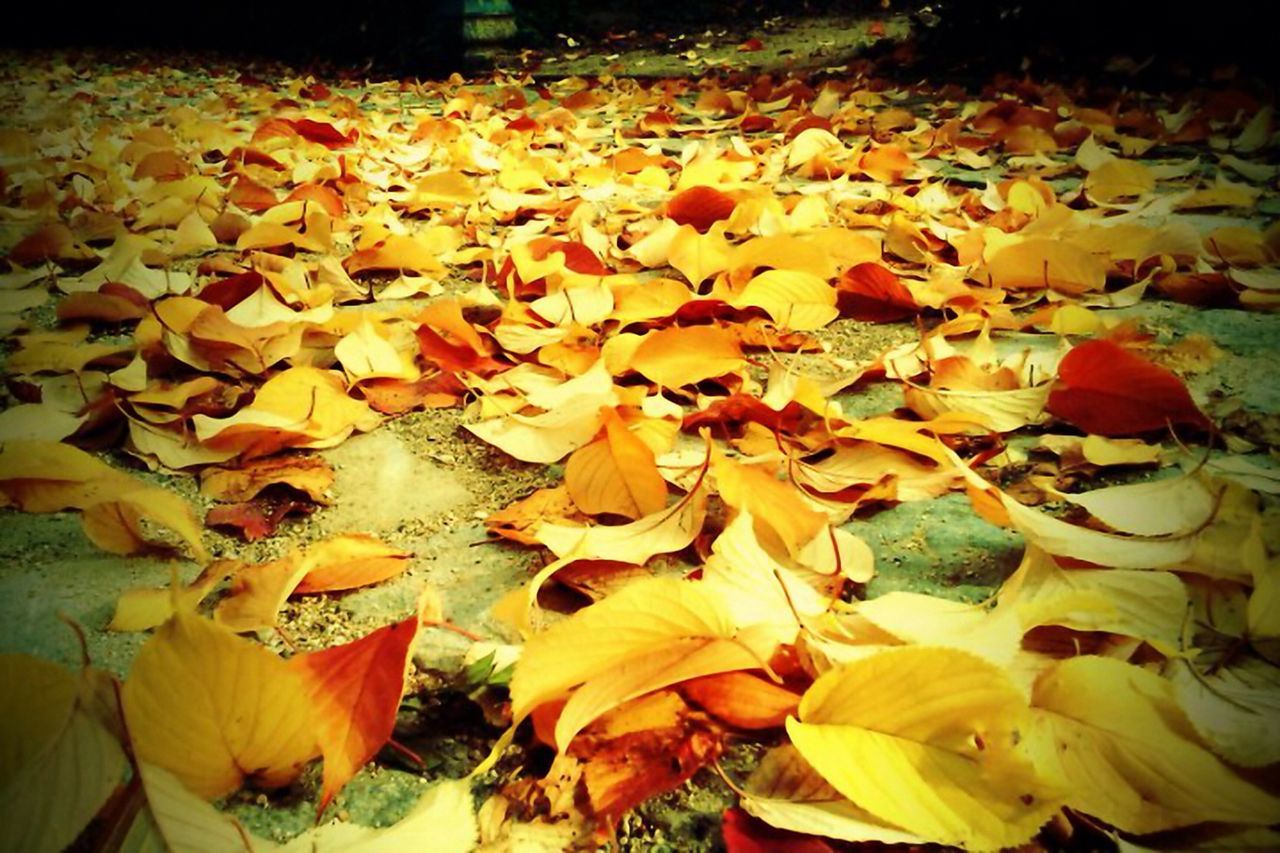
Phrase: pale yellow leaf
(58, 762)
(794, 300)
(941, 758)
(1115, 733)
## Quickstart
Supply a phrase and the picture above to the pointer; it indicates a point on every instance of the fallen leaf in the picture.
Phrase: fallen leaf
(191, 702)
(355, 691)
(1114, 733)
(1104, 388)
(942, 760)
(58, 762)
(615, 474)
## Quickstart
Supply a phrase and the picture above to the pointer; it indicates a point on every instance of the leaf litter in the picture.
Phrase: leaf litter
(652, 333)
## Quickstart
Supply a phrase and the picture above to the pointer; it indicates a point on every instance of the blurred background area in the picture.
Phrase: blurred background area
(437, 37)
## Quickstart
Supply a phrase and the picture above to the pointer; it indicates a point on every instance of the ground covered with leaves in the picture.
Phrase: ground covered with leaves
(771, 461)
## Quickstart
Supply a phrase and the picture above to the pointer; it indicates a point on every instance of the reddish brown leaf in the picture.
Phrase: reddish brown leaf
(258, 518)
(746, 834)
(731, 413)
(1105, 389)
(751, 45)
(700, 207)
(871, 293)
(356, 689)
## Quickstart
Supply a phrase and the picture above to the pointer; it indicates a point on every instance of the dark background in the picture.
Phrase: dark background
(424, 39)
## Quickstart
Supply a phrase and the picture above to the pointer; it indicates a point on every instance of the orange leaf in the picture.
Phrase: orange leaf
(615, 475)
(742, 699)
(355, 690)
(675, 357)
(326, 197)
(349, 561)
(1105, 389)
(700, 207)
(871, 293)
(251, 196)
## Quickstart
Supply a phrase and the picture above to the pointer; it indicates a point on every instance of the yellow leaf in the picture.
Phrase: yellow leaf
(144, 609)
(652, 634)
(58, 762)
(1117, 180)
(616, 474)
(1115, 733)
(195, 702)
(795, 300)
(187, 823)
(192, 236)
(46, 476)
(991, 633)
(301, 407)
(1147, 605)
(572, 418)
(120, 524)
(1232, 703)
(675, 357)
(641, 619)
(699, 256)
(258, 592)
(940, 759)
(1043, 262)
(775, 504)
(366, 354)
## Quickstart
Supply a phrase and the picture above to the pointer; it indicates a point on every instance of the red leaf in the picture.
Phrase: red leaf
(1105, 389)
(700, 207)
(873, 294)
(733, 412)
(746, 834)
(323, 133)
(751, 45)
(356, 689)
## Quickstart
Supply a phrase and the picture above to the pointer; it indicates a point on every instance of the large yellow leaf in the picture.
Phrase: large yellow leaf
(926, 739)
(119, 524)
(795, 300)
(58, 763)
(1116, 180)
(640, 620)
(118, 510)
(677, 356)
(615, 474)
(1042, 262)
(1115, 733)
(214, 709)
(572, 418)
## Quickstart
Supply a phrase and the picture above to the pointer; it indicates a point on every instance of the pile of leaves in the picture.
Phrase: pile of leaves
(215, 276)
